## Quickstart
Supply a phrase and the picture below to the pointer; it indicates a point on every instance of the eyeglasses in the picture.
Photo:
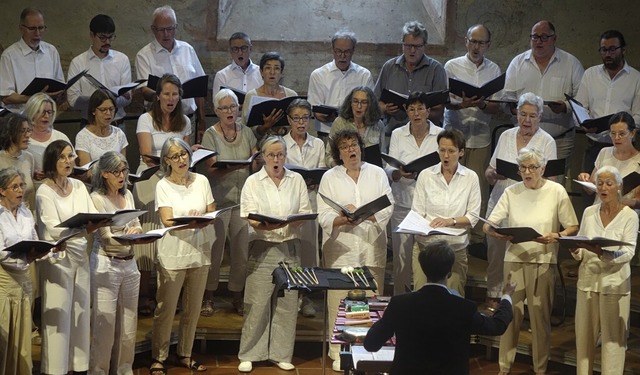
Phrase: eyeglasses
(542, 38)
(342, 52)
(120, 172)
(300, 119)
(271, 156)
(104, 37)
(47, 112)
(33, 29)
(26, 130)
(618, 134)
(479, 43)
(107, 110)
(359, 103)
(67, 158)
(17, 187)
(349, 146)
(241, 48)
(529, 168)
(228, 108)
(412, 46)
(169, 29)
(604, 51)
(176, 157)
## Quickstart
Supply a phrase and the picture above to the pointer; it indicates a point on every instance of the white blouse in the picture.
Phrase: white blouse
(13, 230)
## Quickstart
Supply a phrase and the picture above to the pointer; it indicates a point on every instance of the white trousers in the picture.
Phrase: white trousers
(115, 285)
(607, 314)
(235, 228)
(65, 315)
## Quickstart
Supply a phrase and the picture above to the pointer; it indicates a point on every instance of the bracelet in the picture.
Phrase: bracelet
(454, 221)
(485, 106)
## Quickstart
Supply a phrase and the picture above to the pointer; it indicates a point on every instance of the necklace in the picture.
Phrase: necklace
(63, 190)
(180, 181)
(235, 134)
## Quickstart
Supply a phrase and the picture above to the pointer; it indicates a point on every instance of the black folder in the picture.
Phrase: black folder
(265, 108)
(584, 119)
(224, 163)
(311, 176)
(325, 110)
(38, 84)
(281, 220)
(458, 87)
(372, 155)
(191, 88)
(115, 91)
(361, 212)
(417, 165)
(554, 167)
(239, 93)
(573, 241)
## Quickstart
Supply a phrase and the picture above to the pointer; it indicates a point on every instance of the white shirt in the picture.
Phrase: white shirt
(233, 76)
(611, 273)
(52, 209)
(145, 125)
(603, 96)
(625, 167)
(434, 198)
(13, 230)
(472, 121)
(507, 150)
(261, 195)
(103, 242)
(562, 76)
(19, 65)
(188, 248)
(311, 155)
(181, 61)
(37, 148)
(543, 209)
(403, 147)
(328, 85)
(348, 245)
(113, 70)
(96, 146)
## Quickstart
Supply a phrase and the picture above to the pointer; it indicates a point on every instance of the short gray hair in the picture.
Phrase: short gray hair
(531, 99)
(224, 93)
(8, 174)
(174, 141)
(344, 34)
(108, 162)
(610, 169)
(531, 154)
(165, 10)
(271, 140)
(415, 29)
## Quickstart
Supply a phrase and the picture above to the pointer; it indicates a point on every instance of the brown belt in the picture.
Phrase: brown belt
(128, 257)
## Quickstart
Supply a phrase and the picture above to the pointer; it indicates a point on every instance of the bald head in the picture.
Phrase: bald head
(477, 41)
(543, 40)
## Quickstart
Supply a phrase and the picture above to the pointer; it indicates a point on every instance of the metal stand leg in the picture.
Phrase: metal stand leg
(324, 330)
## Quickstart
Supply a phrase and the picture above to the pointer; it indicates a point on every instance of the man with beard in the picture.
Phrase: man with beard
(610, 87)
(109, 67)
(27, 58)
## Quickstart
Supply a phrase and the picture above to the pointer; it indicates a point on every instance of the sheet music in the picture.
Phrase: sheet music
(417, 224)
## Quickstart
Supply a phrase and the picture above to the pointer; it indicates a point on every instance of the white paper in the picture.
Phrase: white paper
(359, 353)
(413, 223)
(588, 184)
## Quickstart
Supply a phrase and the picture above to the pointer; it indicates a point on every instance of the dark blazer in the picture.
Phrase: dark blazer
(433, 329)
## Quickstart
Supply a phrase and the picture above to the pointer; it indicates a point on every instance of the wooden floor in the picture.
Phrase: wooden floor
(217, 337)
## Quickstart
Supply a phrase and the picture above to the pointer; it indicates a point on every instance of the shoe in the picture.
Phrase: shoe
(146, 306)
(308, 310)
(286, 366)
(207, 308)
(188, 362)
(157, 368)
(336, 366)
(238, 306)
(245, 366)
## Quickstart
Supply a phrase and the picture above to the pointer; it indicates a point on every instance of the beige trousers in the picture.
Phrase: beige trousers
(608, 315)
(535, 282)
(170, 282)
(15, 322)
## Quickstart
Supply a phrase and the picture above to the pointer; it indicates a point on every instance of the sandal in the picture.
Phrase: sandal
(190, 364)
(207, 308)
(157, 368)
